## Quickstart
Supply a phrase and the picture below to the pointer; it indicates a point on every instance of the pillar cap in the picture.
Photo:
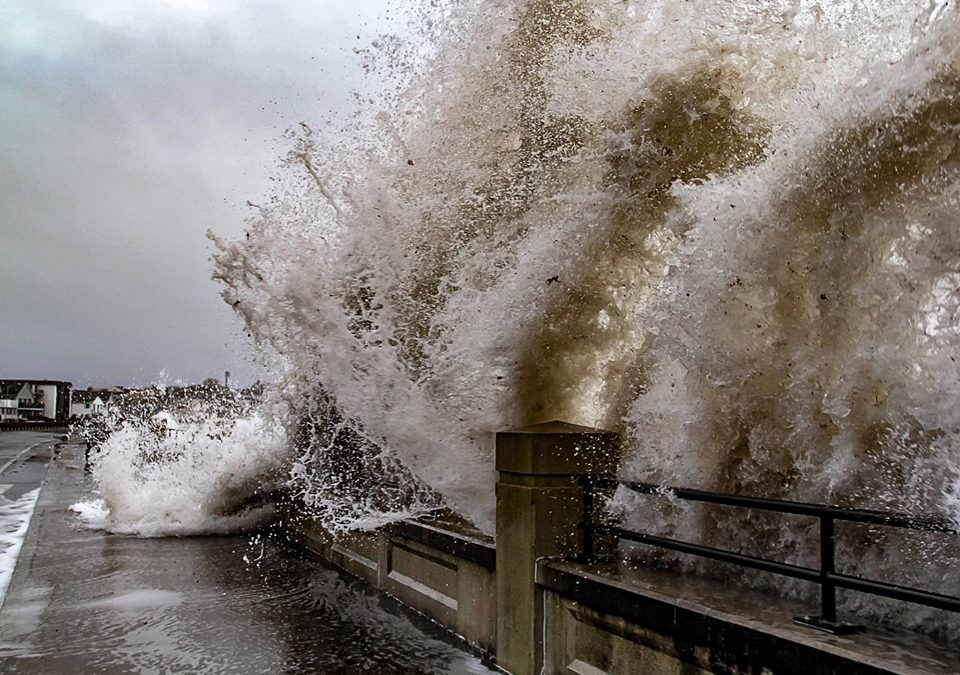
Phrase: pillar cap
(556, 427)
(558, 448)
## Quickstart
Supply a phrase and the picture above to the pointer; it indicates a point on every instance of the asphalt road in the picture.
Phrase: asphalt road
(24, 457)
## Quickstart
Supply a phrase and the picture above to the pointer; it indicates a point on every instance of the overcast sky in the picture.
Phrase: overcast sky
(130, 127)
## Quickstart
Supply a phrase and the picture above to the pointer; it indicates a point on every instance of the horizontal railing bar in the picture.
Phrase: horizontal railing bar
(785, 569)
(936, 600)
(893, 591)
(889, 519)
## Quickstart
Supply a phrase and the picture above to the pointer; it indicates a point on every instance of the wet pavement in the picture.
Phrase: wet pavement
(24, 456)
(87, 602)
(23, 460)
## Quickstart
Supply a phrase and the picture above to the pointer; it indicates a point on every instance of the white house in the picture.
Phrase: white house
(21, 402)
(8, 408)
(25, 400)
(46, 394)
(85, 403)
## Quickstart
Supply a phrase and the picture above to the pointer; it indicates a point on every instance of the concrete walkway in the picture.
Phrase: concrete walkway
(87, 602)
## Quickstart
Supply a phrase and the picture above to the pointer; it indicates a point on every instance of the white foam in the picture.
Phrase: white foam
(138, 600)
(197, 480)
(15, 518)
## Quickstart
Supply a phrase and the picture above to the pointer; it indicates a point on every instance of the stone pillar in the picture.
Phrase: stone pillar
(539, 508)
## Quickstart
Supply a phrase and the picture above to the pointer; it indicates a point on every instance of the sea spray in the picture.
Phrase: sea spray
(726, 230)
(197, 473)
(807, 337)
(345, 480)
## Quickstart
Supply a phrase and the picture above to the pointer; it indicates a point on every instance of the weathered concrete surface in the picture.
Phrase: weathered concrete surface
(445, 575)
(616, 618)
(88, 602)
(539, 510)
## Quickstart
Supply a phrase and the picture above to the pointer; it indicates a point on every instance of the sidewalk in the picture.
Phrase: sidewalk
(88, 602)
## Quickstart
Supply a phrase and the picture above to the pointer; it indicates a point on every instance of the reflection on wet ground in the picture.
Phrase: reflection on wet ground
(86, 602)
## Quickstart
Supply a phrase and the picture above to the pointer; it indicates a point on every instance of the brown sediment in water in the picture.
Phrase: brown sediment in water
(495, 208)
(882, 167)
(688, 129)
(806, 331)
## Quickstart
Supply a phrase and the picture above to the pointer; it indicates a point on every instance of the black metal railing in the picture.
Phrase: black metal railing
(826, 575)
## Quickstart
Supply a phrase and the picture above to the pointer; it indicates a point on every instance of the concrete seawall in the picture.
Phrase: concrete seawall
(533, 607)
(447, 576)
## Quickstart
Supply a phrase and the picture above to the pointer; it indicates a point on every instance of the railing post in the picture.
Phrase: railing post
(828, 591)
(540, 504)
(827, 621)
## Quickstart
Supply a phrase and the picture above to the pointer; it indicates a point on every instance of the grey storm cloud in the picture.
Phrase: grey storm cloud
(131, 127)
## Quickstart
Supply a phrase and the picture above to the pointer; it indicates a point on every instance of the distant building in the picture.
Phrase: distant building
(8, 407)
(86, 402)
(26, 400)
